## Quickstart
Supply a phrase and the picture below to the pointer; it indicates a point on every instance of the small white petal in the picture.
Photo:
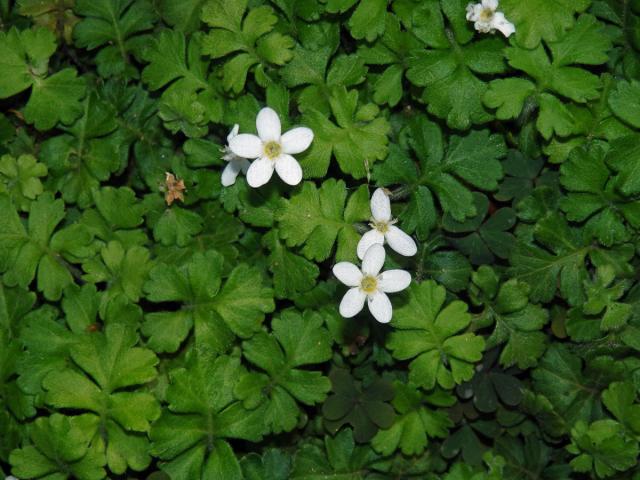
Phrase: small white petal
(230, 173)
(490, 4)
(268, 125)
(393, 281)
(368, 239)
(473, 12)
(400, 242)
(246, 145)
(348, 274)
(288, 169)
(380, 307)
(352, 302)
(380, 206)
(373, 259)
(259, 172)
(233, 132)
(499, 22)
(296, 140)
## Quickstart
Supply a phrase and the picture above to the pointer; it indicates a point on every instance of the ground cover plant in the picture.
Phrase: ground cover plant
(319, 239)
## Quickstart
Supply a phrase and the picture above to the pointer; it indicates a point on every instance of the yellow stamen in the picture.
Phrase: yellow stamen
(486, 14)
(272, 149)
(369, 284)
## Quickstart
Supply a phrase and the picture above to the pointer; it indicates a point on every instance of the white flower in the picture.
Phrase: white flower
(384, 229)
(272, 150)
(370, 284)
(236, 164)
(487, 20)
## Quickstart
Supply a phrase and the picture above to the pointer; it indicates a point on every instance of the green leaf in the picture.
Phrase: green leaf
(624, 102)
(172, 225)
(25, 57)
(190, 101)
(508, 96)
(80, 306)
(363, 406)
(450, 268)
(607, 216)
(623, 158)
(292, 274)
(87, 154)
(273, 464)
(317, 218)
(453, 90)
(125, 272)
(252, 34)
(540, 19)
(357, 141)
(110, 363)
(62, 448)
(183, 15)
(119, 207)
(217, 312)
(414, 425)
(47, 348)
(368, 19)
(311, 69)
(25, 252)
(561, 267)
(114, 24)
(19, 178)
(472, 159)
(517, 322)
(603, 448)
(487, 237)
(202, 411)
(431, 338)
(297, 340)
(338, 457)
(574, 393)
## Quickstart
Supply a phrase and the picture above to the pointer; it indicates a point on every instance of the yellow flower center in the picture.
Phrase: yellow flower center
(369, 284)
(382, 227)
(272, 149)
(486, 15)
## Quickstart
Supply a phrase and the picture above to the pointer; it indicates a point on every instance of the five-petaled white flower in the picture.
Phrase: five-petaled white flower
(272, 150)
(487, 20)
(369, 284)
(384, 229)
(236, 163)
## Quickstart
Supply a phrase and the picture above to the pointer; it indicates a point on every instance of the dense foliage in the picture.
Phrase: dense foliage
(155, 324)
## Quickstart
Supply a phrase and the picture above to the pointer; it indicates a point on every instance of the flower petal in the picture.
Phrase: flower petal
(230, 173)
(288, 169)
(352, 302)
(490, 4)
(259, 172)
(473, 12)
(244, 164)
(233, 133)
(400, 241)
(380, 206)
(394, 281)
(268, 125)
(296, 140)
(380, 307)
(373, 259)
(246, 145)
(348, 274)
(499, 22)
(368, 239)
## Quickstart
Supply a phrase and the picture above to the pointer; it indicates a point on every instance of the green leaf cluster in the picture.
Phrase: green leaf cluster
(156, 324)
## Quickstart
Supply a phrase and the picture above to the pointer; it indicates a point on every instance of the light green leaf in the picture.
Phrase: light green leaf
(431, 337)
